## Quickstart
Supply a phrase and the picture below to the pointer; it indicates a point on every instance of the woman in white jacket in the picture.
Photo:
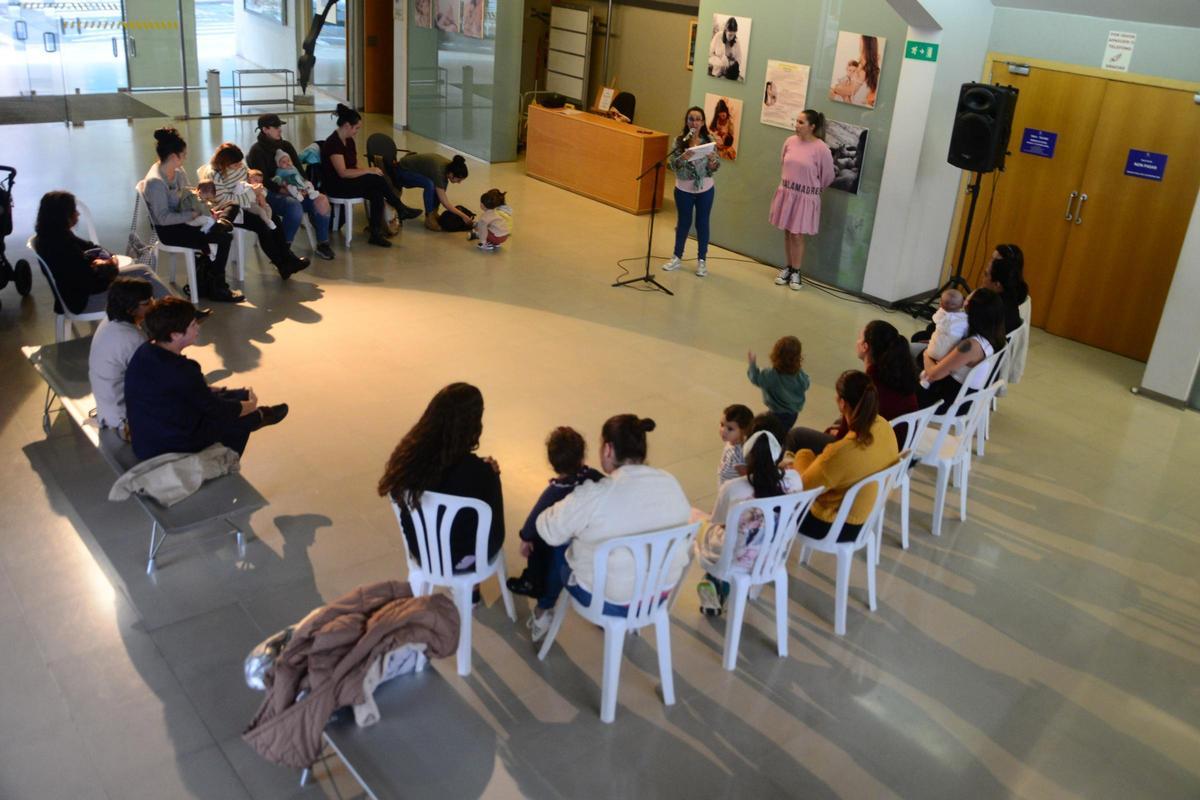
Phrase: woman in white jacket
(634, 498)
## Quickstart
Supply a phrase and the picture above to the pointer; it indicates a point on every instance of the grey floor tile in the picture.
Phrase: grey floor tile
(49, 763)
(203, 774)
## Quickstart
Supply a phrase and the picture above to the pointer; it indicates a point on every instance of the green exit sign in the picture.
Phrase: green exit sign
(921, 51)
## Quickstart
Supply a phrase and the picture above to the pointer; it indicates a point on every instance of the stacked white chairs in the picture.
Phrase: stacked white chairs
(64, 322)
(914, 424)
(434, 565)
(866, 538)
(948, 449)
(237, 252)
(346, 207)
(653, 555)
(781, 520)
(988, 367)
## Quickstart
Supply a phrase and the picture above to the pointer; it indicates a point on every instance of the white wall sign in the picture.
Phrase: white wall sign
(1118, 52)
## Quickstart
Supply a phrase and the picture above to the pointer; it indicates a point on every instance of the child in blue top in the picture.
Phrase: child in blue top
(784, 384)
(565, 448)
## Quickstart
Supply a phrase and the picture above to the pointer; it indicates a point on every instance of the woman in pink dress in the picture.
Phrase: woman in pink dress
(796, 210)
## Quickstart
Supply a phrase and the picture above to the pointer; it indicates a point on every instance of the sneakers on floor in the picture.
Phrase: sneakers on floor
(784, 275)
(794, 283)
(325, 251)
(701, 268)
(539, 625)
(710, 601)
(672, 265)
(487, 246)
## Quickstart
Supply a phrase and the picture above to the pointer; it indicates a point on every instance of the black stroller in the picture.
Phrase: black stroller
(21, 274)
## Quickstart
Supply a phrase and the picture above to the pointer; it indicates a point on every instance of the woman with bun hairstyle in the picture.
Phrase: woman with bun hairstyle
(1004, 274)
(432, 173)
(807, 168)
(867, 447)
(633, 498)
(343, 177)
(163, 189)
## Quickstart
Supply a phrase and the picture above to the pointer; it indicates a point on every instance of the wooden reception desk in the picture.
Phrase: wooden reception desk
(596, 157)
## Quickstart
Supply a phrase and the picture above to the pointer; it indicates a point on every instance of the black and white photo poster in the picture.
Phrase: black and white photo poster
(848, 145)
(729, 47)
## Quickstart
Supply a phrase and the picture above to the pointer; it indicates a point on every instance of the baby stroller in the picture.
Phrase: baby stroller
(21, 274)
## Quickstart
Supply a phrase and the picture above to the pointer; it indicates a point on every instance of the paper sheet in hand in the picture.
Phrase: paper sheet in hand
(700, 151)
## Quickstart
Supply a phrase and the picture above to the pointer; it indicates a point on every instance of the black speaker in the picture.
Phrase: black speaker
(982, 125)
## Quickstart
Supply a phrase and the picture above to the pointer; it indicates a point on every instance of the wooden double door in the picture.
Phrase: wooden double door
(1100, 244)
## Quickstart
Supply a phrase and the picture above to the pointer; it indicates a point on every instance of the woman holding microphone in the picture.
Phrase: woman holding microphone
(694, 190)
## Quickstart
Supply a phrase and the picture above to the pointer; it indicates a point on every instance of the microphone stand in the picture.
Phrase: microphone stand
(654, 201)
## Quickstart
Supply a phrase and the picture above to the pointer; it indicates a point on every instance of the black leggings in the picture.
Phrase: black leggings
(375, 189)
(209, 270)
(274, 244)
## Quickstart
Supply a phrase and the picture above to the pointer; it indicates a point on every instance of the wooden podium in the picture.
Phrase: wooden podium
(596, 157)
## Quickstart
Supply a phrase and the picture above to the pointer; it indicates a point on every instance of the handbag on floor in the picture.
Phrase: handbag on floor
(453, 223)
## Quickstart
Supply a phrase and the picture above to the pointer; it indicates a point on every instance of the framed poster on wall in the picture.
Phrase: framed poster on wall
(271, 9)
(691, 51)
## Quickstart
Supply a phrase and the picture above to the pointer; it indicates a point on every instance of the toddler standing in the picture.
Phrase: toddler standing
(494, 225)
(735, 427)
(784, 384)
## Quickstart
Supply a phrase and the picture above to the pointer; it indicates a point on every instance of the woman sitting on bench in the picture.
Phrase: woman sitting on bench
(171, 408)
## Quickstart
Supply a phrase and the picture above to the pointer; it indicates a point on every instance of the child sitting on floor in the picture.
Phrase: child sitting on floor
(763, 479)
(494, 224)
(735, 427)
(565, 449)
(287, 176)
(784, 384)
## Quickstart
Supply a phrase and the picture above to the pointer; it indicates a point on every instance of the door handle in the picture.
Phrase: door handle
(50, 42)
(1070, 201)
(1079, 209)
(114, 44)
(131, 46)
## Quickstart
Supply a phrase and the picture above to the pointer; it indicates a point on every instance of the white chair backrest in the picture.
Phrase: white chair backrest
(914, 424)
(141, 196)
(654, 555)
(30, 243)
(782, 516)
(981, 404)
(432, 520)
(89, 223)
(883, 480)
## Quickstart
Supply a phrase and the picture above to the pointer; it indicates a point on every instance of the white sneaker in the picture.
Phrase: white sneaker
(794, 283)
(539, 626)
(710, 601)
(782, 278)
(672, 265)
(701, 268)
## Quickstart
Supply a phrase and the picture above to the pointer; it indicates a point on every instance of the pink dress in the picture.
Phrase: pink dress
(807, 170)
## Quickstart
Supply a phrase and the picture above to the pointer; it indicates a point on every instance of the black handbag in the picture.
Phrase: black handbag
(453, 223)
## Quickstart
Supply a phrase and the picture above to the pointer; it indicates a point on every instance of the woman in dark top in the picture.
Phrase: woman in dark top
(437, 455)
(1005, 275)
(985, 336)
(82, 270)
(432, 173)
(342, 177)
(889, 365)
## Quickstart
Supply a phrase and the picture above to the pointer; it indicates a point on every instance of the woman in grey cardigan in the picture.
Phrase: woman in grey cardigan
(163, 187)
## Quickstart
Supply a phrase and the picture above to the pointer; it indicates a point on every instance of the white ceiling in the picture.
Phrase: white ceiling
(1179, 13)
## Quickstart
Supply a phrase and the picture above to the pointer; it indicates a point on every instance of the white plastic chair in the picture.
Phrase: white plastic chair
(781, 520)
(915, 425)
(346, 204)
(432, 522)
(188, 254)
(66, 320)
(654, 555)
(946, 450)
(237, 253)
(1020, 345)
(306, 223)
(89, 222)
(844, 551)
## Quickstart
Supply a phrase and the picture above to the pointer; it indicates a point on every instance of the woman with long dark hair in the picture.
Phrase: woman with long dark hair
(985, 335)
(1004, 274)
(763, 479)
(694, 189)
(867, 447)
(82, 270)
(633, 498)
(163, 189)
(807, 167)
(342, 177)
(438, 455)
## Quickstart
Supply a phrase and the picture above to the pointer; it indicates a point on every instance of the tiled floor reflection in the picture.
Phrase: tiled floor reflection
(1046, 647)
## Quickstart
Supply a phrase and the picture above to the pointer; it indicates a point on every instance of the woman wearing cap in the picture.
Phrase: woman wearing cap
(763, 479)
(262, 157)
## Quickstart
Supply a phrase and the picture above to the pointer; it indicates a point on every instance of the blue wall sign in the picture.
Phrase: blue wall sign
(1144, 164)
(1038, 143)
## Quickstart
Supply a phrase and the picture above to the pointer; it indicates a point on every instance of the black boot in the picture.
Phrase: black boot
(213, 285)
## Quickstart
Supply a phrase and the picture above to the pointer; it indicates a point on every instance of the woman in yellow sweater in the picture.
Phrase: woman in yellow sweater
(868, 447)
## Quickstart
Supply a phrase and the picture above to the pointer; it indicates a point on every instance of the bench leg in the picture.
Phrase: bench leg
(241, 539)
(155, 543)
(304, 777)
(51, 396)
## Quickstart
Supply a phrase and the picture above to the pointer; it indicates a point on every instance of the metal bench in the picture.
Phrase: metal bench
(64, 367)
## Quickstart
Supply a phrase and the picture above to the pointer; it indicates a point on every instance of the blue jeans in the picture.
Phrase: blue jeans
(291, 211)
(699, 205)
(559, 579)
(408, 179)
